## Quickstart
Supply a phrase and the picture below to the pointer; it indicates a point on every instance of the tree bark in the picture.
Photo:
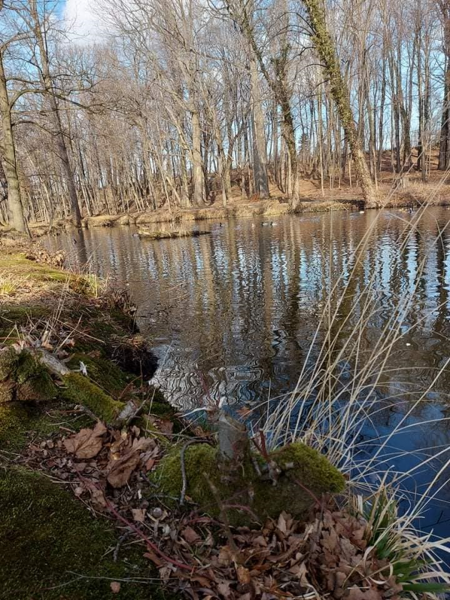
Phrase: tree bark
(197, 167)
(15, 207)
(56, 117)
(324, 46)
(259, 137)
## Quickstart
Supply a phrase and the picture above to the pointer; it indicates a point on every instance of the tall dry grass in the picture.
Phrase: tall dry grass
(337, 400)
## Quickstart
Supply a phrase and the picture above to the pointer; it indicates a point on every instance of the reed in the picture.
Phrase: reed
(337, 399)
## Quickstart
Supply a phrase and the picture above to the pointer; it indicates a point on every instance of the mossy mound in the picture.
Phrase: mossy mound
(102, 371)
(80, 390)
(14, 422)
(23, 378)
(52, 548)
(247, 488)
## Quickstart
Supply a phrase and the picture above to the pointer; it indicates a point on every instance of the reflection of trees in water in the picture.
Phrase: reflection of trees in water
(252, 296)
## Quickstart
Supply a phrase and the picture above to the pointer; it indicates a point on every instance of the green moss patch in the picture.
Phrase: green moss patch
(247, 488)
(23, 378)
(102, 371)
(80, 390)
(53, 549)
(15, 420)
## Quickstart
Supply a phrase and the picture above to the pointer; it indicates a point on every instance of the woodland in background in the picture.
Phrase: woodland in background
(186, 102)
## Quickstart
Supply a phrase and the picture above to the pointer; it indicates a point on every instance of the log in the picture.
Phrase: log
(54, 365)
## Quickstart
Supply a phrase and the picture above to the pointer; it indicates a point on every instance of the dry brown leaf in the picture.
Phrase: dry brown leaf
(364, 594)
(243, 575)
(122, 469)
(87, 443)
(190, 535)
(138, 514)
(115, 587)
(330, 540)
(223, 587)
(154, 558)
(165, 426)
(225, 556)
(150, 464)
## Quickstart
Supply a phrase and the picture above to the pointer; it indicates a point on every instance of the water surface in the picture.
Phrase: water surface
(232, 314)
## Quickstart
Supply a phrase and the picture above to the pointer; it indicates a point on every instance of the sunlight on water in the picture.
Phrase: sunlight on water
(231, 315)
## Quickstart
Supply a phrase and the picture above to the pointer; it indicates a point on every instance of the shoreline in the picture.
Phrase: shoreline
(263, 209)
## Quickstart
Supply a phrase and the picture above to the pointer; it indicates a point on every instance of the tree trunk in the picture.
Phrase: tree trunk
(15, 207)
(259, 137)
(197, 168)
(444, 143)
(325, 48)
(60, 139)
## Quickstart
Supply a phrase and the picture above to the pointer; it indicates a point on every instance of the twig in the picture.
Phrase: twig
(224, 518)
(88, 411)
(136, 530)
(244, 508)
(119, 544)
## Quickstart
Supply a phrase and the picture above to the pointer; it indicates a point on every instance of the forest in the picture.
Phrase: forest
(227, 396)
(192, 103)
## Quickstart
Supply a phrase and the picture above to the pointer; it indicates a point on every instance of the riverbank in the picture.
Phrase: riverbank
(407, 193)
(124, 499)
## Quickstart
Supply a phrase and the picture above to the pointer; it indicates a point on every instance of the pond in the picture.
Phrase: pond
(233, 315)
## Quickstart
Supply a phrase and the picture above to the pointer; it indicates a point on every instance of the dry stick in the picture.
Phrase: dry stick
(119, 544)
(142, 535)
(133, 527)
(308, 491)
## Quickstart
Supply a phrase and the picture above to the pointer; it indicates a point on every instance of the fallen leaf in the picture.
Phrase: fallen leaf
(165, 426)
(138, 514)
(243, 575)
(150, 464)
(87, 443)
(364, 594)
(223, 587)
(154, 558)
(115, 587)
(225, 556)
(122, 470)
(98, 497)
(190, 535)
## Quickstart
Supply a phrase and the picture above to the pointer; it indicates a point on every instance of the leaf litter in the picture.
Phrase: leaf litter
(197, 556)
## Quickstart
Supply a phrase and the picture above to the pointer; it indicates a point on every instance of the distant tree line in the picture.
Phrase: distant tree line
(180, 103)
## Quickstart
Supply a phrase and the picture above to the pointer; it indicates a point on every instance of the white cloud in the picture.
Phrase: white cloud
(83, 20)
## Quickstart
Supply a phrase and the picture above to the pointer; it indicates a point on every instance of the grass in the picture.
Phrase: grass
(7, 286)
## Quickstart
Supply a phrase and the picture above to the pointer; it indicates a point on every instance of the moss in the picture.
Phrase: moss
(82, 391)
(15, 420)
(102, 371)
(24, 378)
(246, 488)
(48, 540)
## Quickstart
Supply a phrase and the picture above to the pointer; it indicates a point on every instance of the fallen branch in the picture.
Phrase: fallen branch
(50, 361)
